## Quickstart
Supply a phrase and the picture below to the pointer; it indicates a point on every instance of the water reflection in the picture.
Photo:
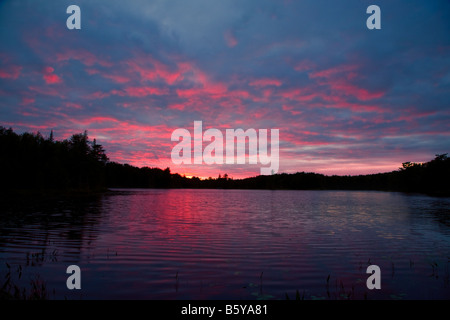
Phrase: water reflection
(70, 220)
(234, 244)
(38, 234)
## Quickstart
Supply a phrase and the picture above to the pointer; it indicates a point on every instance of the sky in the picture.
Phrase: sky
(346, 100)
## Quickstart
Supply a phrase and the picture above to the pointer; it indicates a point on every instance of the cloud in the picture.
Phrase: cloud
(87, 58)
(139, 91)
(230, 39)
(265, 82)
(10, 72)
(50, 77)
(346, 99)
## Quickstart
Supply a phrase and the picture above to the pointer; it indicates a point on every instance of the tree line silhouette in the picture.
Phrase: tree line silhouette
(29, 161)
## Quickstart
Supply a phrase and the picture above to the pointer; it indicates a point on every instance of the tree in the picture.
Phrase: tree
(98, 153)
(441, 157)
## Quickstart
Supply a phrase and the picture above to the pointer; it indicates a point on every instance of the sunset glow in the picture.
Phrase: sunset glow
(346, 100)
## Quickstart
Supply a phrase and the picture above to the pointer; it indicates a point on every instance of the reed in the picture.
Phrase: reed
(10, 290)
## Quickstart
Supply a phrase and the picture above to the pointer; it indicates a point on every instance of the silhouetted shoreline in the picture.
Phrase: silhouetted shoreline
(32, 165)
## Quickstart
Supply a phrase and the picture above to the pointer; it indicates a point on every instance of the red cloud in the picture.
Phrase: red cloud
(216, 90)
(50, 77)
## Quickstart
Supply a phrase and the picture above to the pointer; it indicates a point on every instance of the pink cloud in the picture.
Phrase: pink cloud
(342, 87)
(27, 101)
(177, 106)
(87, 122)
(140, 91)
(50, 77)
(304, 66)
(265, 82)
(91, 71)
(86, 57)
(291, 110)
(339, 80)
(27, 126)
(47, 90)
(239, 93)
(327, 73)
(151, 69)
(98, 95)
(55, 31)
(74, 105)
(114, 77)
(217, 90)
(10, 72)
(301, 95)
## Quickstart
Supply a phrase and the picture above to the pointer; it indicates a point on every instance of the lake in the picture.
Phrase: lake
(230, 244)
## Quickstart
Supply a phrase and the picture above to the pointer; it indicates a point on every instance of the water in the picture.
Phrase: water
(231, 244)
